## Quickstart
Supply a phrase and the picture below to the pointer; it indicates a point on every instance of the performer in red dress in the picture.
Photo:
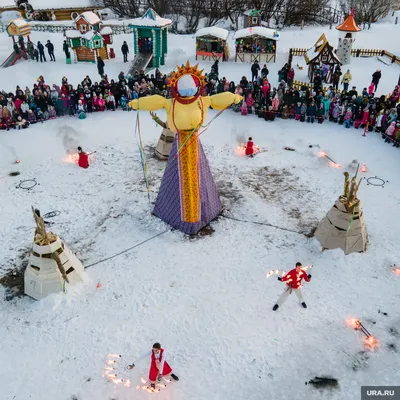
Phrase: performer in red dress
(83, 161)
(250, 147)
(159, 367)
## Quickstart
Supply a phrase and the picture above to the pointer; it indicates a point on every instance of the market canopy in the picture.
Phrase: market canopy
(214, 31)
(260, 31)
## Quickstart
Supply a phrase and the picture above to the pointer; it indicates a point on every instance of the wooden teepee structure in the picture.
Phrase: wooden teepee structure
(42, 238)
(344, 226)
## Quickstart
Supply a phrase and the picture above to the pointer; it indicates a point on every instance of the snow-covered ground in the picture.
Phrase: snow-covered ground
(206, 300)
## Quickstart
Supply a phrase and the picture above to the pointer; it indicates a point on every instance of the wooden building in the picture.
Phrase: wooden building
(211, 44)
(251, 18)
(44, 10)
(256, 44)
(150, 40)
(89, 39)
(321, 53)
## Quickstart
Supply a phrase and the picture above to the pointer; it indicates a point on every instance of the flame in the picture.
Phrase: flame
(111, 361)
(114, 355)
(143, 380)
(72, 158)
(17, 161)
(322, 154)
(364, 168)
(306, 267)
(396, 271)
(128, 383)
(353, 323)
(109, 369)
(137, 387)
(333, 165)
(371, 342)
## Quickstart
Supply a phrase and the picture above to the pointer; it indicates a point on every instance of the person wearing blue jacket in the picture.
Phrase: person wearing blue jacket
(311, 112)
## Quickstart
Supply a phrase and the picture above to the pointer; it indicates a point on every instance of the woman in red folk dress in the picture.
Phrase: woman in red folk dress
(159, 367)
(250, 147)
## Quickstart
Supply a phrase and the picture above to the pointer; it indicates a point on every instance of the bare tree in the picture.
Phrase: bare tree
(367, 11)
(162, 7)
(124, 8)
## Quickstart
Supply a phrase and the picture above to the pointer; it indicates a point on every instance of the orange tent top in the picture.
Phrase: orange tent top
(349, 25)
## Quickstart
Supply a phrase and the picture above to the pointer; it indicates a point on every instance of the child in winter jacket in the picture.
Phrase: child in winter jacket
(24, 109)
(52, 112)
(303, 112)
(275, 103)
(250, 102)
(365, 117)
(371, 89)
(389, 132)
(31, 117)
(111, 102)
(95, 102)
(80, 107)
(22, 123)
(326, 104)
(298, 111)
(311, 112)
(335, 112)
(347, 118)
(244, 109)
(101, 103)
(124, 102)
(39, 115)
(396, 135)
(357, 117)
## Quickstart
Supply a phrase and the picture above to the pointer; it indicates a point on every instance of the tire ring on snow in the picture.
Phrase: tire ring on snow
(27, 187)
(52, 214)
(382, 182)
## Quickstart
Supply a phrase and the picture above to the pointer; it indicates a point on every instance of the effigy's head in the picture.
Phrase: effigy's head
(186, 83)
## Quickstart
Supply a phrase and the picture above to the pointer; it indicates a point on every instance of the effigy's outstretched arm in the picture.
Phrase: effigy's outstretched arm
(149, 103)
(223, 100)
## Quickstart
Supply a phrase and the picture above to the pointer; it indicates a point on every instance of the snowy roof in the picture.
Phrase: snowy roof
(89, 35)
(90, 17)
(72, 34)
(257, 31)
(219, 33)
(20, 22)
(318, 47)
(106, 30)
(252, 13)
(150, 18)
(53, 5)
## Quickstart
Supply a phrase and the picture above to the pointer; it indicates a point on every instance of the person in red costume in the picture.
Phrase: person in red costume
(83, 161)
(159, 367)
(293, 283)
(250, 147)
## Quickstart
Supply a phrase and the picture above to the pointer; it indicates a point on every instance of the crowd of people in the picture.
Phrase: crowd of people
(360, 109)
(44, 102)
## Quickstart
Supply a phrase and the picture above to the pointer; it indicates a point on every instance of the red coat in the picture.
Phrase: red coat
(249, 148)
(156, 363)
(83, 161)
(293, 278)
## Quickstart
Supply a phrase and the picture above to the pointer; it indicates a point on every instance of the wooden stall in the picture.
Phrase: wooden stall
(211, 44)
(256, 44)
